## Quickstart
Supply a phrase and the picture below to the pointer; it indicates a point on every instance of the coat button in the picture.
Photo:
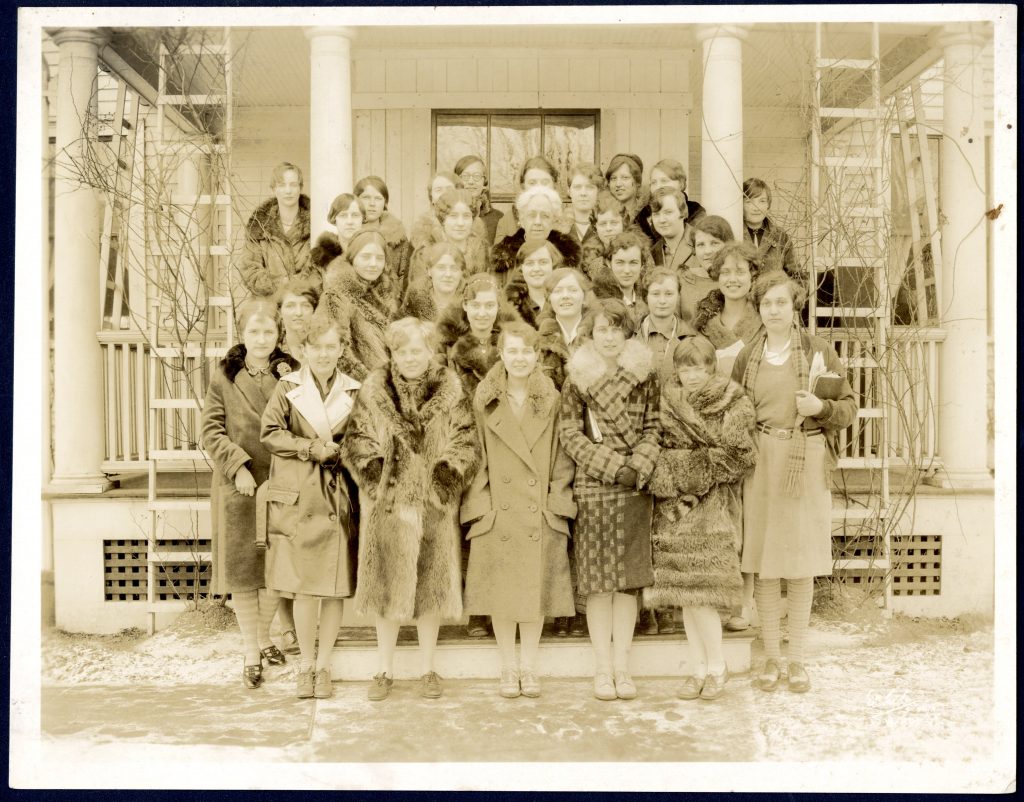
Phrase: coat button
(533, 508)
(504, 537)
(506, 479)
(504, 506)
(333, 517)
(532, 482)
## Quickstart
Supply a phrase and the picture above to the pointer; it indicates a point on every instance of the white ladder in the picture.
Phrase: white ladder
(848, 240)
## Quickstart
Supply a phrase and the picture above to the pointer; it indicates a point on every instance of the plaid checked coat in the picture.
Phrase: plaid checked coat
(611, 554)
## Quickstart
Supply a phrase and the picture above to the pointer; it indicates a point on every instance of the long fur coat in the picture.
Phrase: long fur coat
(271, 257)
(707, 449)
(412, 452)
(419, 302)
(503, 256)
(363, 311)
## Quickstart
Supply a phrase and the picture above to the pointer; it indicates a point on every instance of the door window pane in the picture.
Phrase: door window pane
(514, 139)
(459, 135)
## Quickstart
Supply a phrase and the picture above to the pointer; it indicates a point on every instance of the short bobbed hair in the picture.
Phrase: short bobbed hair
(697, 351)
(589, 171)
(531, 245)
(408, 329)
(737, 249)
(674, 170)
(462, 164)
(521, 329)
(434, 252)
(321, 323)
(481, 282)
(449, 199)
(606, 202)
(277, 174)
(560, 273)
(766, 282)
(658, 274)
(299, 287)
(456, 181)
(538, 162)
(717, 227)
(377, 183)
(667, 192)
(614, 311)
(341, 203)
(631, 238)
(755, 187)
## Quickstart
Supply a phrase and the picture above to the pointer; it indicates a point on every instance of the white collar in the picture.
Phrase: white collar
(777, 357)
(569, 336)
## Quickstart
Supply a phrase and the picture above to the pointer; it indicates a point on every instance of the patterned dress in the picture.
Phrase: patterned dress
(613, 543)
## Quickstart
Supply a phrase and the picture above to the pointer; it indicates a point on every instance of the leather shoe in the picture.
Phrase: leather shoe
(273, 656)
(252, 676)
(737, 623)
(798, 681)
(290, 642)
(666, 622)
(477, 626)
(560, 628)
(304, 684)
(714, 684)
(768, 679)
(624, 685)
(322, 688)
(530, 683)
(691, 688)
(648, 624)
(604, 687)
(578, 626)
(509, 685)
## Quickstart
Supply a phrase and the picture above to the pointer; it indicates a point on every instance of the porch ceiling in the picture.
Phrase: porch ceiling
(271, 65)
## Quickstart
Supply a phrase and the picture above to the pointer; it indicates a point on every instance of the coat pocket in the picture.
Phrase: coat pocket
(556, 522)
(482, 526)
(282, 511)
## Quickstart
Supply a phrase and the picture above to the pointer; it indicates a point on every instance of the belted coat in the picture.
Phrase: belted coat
(519, 506)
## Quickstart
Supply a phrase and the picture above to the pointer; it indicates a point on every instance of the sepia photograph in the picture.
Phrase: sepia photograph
(515, 398)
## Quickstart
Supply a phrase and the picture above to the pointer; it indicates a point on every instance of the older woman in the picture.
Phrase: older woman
(538, 208)
(624, 174)
(536, 171)
(473, 173)
(455, 214)
(359, 294)
(346, 215)
(787, 503)
(518, 562)
(441, 287)
(623, 275)
(277, 235)
(310, 522)
(668, 174)
(525, 293)
(610, 428)
(413, 448)
(373, 194)
(234, 404)
(707, 448)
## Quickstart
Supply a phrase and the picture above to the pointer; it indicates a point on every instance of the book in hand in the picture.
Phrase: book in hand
(827, 386)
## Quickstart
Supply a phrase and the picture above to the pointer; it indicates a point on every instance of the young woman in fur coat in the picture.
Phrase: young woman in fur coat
(538, 208)
(234, 405)
(454, 223)
(519, 505)
(310, 519)
(525, 292)
(707, 449)
(373, 196)
(441, 287)
(346, 215)
(277, 236)
(610, 428)
(622, 275)
(360, 295)
(413, 448)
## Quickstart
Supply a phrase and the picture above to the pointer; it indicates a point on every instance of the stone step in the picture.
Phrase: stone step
(461, 657)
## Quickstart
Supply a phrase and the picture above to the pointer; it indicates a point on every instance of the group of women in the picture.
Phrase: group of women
(522, 417)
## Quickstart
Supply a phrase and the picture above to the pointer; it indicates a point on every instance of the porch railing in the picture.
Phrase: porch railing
(910, 362)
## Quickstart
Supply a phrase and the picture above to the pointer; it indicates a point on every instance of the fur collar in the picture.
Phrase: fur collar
(540, 390)
(265, 222)
(426, 230)
(707, 321)
(419, 302)
(441, 392)
(390, 227)
(342, 279)
(281, 364)
(586, 367)
(714, 398)
(452, 323)
(551, 338)
(505, 251)
(517, 296)
(326, 250)
(466, 353)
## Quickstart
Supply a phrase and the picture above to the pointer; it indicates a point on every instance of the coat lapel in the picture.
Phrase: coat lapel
(325, 415)
(502, 421)
(249, 389)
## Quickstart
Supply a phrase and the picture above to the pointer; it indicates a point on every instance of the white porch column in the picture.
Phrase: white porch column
(962, 306)
(330, 120)
(721, 129)
(78, 369)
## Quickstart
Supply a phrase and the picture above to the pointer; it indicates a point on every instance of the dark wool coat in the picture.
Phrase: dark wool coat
(311, 523)
(775, 250)
(606, 286)
(398, 249)
(271, 257)
(465, 354)
(519, 503)
(231, 434)
(363, 312)
(428, 231)
(707, 449)
(503, 256)
(624, 403)
(409, 539)
(591, 243)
